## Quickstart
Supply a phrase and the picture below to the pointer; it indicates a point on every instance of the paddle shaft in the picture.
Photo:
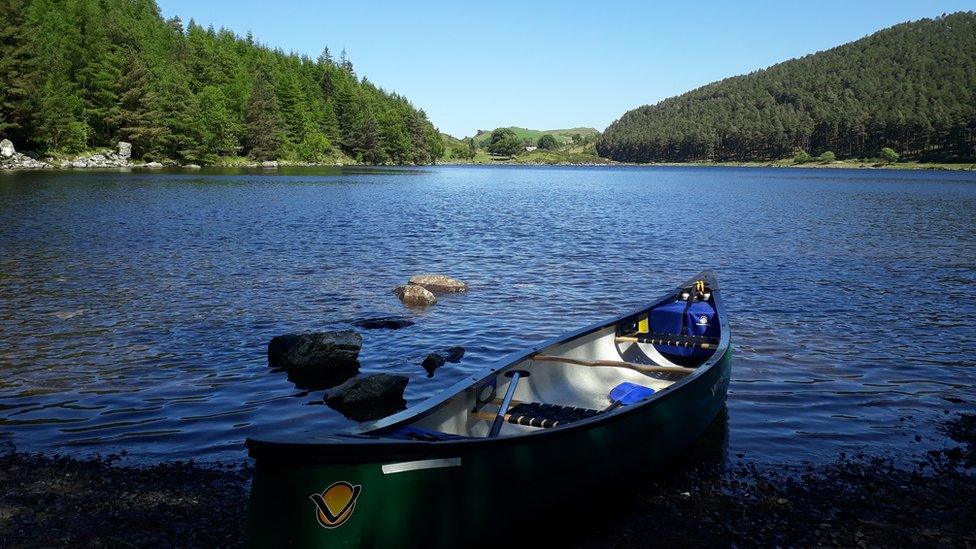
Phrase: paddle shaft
(645, 368)
(503, 409)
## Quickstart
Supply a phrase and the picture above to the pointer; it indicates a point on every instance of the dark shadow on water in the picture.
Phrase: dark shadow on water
(318, 381)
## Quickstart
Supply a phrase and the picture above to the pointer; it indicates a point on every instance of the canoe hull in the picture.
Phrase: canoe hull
(453, 499)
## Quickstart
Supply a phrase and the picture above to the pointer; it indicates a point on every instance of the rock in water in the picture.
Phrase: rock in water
(414, 295)
(269, 164)
(125, 150)
(153, 165)
(6, 148)
(383, 323)
(439, 284)
(192, 166)
(454, 354)
(315, 350)
(368, 397)
(432, 362)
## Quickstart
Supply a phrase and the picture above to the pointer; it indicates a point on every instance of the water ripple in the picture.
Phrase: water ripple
(135, 309)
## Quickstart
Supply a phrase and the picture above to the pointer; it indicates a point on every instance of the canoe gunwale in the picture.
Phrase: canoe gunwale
(367, 443)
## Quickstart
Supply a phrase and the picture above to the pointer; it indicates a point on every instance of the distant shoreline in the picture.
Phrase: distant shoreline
(840, 164)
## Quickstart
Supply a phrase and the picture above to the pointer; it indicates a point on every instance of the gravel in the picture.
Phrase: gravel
(703, 500)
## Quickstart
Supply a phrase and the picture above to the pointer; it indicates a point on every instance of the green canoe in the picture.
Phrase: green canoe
(551, 430)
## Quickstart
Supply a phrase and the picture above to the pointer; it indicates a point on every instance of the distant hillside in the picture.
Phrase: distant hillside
(911, 87)
(562, 136)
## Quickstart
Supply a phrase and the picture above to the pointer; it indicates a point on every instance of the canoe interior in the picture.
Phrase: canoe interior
(469, 413)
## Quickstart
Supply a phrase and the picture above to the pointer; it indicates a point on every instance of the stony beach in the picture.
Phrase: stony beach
(702, 500)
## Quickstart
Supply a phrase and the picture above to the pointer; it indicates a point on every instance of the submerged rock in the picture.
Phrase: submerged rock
(383, 323)
(414, 295)
(454, 354)
(7, 149)
(315, 351)
(439, 284)
(433, 361)
(368, 397)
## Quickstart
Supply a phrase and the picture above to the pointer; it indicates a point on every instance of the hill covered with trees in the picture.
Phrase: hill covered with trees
(80, 74)
(910, 88)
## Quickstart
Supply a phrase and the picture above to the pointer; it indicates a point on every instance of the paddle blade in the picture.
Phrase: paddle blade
(628, 393)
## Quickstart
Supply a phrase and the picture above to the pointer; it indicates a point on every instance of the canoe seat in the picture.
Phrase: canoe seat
(538, 414)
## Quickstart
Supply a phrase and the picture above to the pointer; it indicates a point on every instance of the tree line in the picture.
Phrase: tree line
(80, 74)
(910, 88)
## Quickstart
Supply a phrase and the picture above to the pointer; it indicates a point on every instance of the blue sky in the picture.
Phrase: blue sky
(548, 65)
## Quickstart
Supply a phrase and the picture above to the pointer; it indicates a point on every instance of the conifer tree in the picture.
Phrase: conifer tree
(261, 124)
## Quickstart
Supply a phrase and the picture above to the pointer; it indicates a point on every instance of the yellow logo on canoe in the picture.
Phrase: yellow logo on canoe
(335, 505)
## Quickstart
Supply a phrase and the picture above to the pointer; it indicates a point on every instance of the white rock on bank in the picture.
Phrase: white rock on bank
(7, 149)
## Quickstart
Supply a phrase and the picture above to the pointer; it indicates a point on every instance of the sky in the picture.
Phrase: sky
(550, 65)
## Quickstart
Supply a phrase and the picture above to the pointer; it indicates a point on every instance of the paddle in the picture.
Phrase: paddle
(507, 401)
(627, 393)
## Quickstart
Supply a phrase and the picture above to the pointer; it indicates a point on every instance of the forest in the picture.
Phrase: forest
(910, 88)
(76, 75)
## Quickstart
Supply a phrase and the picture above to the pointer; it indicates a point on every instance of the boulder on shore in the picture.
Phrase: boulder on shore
(414, 295)
(153, 165)
(269, 164)
(7, 148)
(439, 284)
(125, 150)
(192, 166)
(315, 351)
(368, 397)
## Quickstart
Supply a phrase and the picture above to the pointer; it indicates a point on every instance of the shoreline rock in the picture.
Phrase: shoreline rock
(10, 159)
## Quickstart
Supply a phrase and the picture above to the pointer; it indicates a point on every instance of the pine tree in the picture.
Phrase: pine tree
(139, 117)
(261, 124)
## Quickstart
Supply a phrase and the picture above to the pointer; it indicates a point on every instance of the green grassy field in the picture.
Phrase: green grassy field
(563, 136)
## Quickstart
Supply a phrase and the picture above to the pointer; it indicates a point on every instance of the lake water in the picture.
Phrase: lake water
(135, 308)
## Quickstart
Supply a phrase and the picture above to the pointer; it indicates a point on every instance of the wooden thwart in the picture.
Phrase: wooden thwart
(645, 368)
